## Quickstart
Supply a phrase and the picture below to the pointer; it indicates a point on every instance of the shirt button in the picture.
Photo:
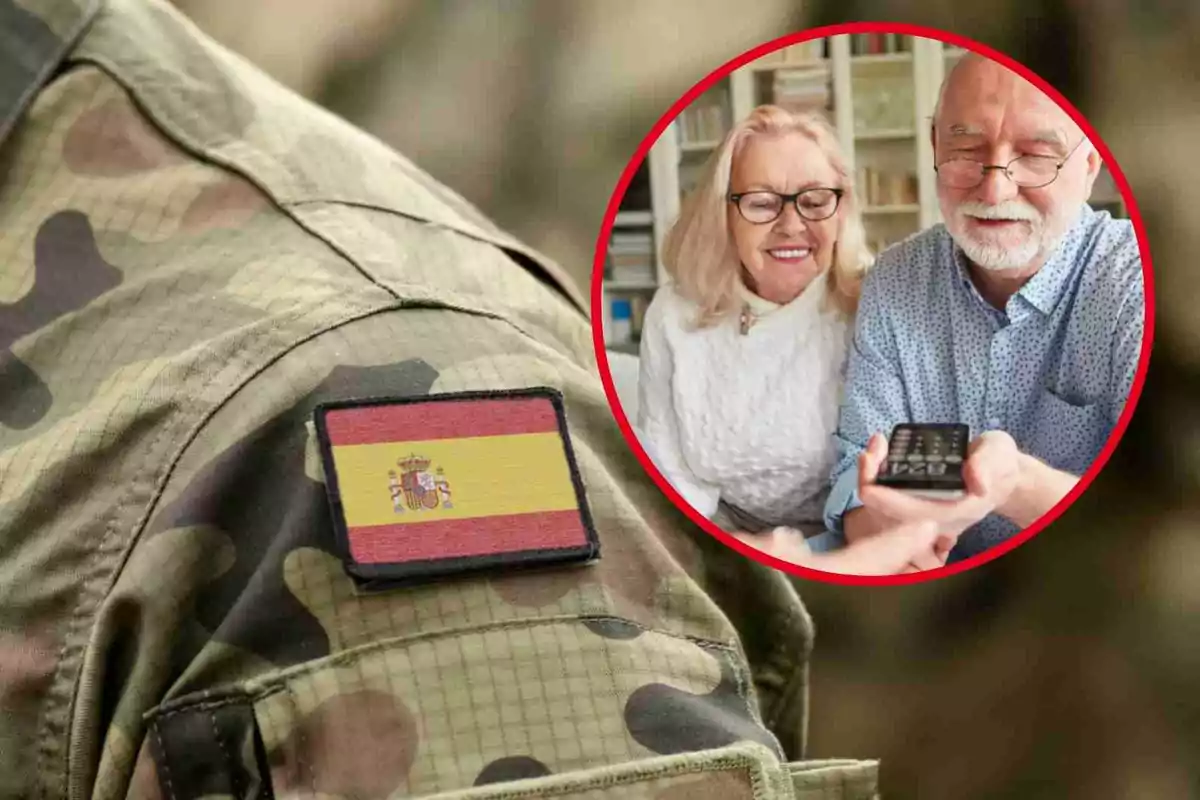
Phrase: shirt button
(993, 424)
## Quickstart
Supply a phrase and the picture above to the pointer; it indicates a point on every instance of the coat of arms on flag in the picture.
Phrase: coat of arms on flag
(417, 487)
(517, 497)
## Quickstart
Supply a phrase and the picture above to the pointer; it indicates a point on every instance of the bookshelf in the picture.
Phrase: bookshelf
(878, 91)
(633, 270)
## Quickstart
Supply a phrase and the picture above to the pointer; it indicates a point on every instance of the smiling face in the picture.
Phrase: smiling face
(780, 259)
(992, 115)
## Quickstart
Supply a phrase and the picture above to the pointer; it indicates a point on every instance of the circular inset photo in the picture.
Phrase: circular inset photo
(873, 303)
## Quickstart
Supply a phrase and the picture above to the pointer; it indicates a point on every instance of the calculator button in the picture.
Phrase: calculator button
(916, 469)
(953, 459)
(934, 457)
(937, 469)
(916, 457)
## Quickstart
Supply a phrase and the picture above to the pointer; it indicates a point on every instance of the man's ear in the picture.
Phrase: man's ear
(1094, 163)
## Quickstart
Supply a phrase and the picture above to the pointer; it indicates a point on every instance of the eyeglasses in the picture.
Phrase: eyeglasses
(1029, 171)
(813, 204)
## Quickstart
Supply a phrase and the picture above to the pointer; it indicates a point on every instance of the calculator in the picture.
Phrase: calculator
(926, 459)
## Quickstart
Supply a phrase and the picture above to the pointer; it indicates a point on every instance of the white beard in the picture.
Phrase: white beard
(994, 257)
(991, 255)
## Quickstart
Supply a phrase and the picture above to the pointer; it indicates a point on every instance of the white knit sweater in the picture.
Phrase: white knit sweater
(748, 419)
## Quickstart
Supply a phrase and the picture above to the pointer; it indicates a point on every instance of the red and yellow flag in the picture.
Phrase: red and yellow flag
(453, 477)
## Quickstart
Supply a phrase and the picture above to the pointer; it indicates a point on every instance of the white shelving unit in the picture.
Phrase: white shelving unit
(880, 104)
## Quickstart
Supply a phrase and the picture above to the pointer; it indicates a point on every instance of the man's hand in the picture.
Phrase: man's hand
(1040, 489)
(992, 472)
(902, 548)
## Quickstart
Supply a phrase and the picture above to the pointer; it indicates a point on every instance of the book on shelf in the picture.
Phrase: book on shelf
(630, 256)
(633, 217)
(631, 241)
(802, 89)
(631, 269)
(702, 124)
(706, 119)
(625, 316)
(627, 260)
(871, 44)
(801, 53)
(877, 187)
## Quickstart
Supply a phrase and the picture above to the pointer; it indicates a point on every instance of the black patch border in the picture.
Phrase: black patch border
(377, 576)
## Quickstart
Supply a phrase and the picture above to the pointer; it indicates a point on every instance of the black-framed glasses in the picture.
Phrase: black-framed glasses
(1028, 171)
(813, 204)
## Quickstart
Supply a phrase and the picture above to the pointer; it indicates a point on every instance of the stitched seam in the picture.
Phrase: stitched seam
(212, 716)
(199, 706)
(165, 763)
(734, 763)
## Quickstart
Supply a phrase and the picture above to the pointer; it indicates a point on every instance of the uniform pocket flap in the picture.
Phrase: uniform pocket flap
(844, 779)
(739, 772)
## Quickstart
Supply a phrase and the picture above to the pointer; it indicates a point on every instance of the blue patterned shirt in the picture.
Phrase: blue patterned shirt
(1053, 369)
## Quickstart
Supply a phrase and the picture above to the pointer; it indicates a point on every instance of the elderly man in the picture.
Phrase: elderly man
(1022, 317)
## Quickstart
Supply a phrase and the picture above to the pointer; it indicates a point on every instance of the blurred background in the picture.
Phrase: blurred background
(1067, 668)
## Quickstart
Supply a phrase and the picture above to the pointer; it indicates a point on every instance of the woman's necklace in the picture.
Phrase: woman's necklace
(746, 319)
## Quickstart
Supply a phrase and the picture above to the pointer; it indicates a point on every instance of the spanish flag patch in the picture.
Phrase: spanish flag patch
(439, 485)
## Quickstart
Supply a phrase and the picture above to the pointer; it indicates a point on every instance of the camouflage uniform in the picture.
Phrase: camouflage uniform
(192, 258)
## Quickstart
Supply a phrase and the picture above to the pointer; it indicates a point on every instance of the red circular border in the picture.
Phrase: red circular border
(602, 356)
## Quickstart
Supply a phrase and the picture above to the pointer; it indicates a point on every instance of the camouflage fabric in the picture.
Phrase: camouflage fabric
(192, 259)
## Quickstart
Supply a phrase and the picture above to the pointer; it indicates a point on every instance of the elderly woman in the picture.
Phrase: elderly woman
(742, 353)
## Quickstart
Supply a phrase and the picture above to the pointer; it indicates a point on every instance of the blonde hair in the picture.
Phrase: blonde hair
(699, 251)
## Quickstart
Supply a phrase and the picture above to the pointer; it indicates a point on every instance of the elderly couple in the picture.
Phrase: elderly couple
(778, 359)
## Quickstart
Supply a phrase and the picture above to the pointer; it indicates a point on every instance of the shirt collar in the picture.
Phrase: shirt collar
(35, 37)
(1047, 286)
